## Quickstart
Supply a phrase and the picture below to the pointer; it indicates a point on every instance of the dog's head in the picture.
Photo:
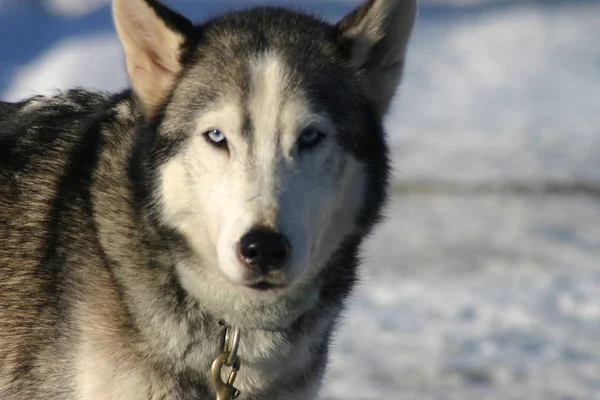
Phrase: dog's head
(266, 147)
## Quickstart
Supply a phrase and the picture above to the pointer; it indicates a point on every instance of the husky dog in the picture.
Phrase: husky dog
(235, 182)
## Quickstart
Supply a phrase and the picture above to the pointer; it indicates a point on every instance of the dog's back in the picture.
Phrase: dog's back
(46, 156)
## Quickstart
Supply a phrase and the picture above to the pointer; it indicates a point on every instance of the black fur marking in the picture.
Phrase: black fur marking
(173, 20)
(38, 128)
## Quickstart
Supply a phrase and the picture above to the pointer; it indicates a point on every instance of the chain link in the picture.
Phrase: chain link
(229, 358)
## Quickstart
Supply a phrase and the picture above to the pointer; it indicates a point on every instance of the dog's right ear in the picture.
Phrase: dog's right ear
(152, 37)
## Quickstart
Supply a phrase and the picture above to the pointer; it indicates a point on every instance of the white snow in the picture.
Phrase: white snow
(477, 297)
(90, 61)
(513, 93)
(463, 297)
(74, 8)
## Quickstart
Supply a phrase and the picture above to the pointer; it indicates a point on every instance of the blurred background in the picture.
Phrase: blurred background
(484, 282)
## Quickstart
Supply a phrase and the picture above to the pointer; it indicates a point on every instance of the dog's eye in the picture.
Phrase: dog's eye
(309, 138)
(216, 137)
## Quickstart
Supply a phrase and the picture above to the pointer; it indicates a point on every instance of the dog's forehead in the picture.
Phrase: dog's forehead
(264, 101)
(229, 47)
(258, 28)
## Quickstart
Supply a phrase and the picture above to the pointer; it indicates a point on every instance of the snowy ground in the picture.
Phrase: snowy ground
(468, 294)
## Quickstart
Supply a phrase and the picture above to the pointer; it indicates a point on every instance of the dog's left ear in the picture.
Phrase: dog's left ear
(152, 36)
(379, 32)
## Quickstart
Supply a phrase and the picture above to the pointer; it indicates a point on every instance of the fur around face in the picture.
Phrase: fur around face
(120, 219)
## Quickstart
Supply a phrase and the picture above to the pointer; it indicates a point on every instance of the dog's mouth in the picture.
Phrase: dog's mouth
(266, 286)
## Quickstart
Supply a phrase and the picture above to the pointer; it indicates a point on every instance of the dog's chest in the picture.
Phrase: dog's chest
(269, 360)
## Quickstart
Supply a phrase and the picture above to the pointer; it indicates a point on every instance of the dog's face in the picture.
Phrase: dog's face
(262, 173)
(273, 121)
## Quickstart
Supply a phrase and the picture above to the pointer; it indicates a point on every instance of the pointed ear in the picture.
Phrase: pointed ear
(152, 37)
(379, 31)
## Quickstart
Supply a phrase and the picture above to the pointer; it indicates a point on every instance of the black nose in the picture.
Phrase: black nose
(264, 250)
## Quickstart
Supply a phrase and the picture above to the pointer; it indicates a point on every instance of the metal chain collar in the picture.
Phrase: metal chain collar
(229, 358)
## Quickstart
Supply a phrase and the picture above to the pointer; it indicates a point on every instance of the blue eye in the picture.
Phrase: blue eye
(216, 137)
(309, 138)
